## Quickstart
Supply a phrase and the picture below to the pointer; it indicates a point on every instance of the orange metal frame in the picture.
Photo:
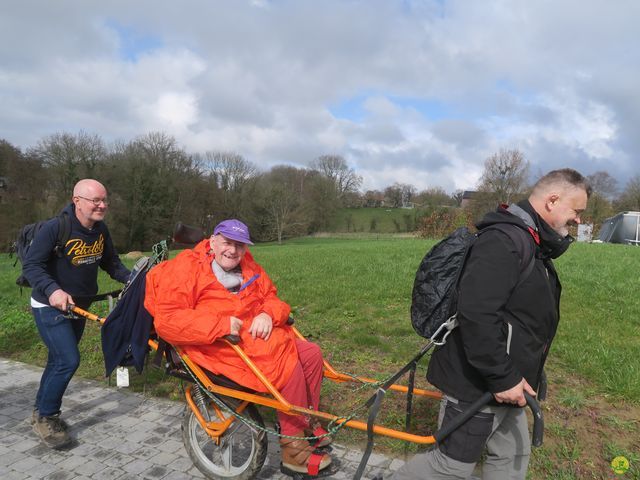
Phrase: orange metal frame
(278, 402)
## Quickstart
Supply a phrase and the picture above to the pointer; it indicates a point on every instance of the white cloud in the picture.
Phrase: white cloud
(557, 80)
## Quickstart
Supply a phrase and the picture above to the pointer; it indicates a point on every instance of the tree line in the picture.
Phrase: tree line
(153, 183)
(505, 179)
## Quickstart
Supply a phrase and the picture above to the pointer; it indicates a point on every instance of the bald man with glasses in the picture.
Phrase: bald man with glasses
(68, 277)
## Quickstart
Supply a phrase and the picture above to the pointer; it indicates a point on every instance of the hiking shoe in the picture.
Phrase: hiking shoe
(35, 415)
(51, 431)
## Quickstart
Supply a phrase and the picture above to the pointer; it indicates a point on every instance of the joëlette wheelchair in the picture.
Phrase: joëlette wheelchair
(222, 428)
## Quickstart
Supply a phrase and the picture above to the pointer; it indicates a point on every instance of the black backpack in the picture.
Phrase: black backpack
(28, 233)
(434, 299)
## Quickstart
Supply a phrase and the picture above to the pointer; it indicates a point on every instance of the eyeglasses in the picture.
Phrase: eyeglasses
(95, 201)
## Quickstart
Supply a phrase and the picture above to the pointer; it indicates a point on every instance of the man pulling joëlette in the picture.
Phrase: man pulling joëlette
(505, 330)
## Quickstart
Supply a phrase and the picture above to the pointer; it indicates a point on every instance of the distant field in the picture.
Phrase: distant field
(352, 297)
(374, 220)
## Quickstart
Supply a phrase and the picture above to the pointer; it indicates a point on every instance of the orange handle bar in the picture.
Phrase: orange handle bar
(278, 402)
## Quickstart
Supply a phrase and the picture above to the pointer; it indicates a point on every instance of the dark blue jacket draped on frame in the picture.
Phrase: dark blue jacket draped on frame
(125, 333)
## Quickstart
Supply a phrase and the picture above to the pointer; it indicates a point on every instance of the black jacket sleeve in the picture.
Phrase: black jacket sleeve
(491, 273)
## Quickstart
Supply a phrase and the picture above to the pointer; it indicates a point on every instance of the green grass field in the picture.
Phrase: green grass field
(374, 220)
(352, 296)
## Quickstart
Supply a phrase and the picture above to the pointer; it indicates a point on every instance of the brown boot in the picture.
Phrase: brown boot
(298, 456)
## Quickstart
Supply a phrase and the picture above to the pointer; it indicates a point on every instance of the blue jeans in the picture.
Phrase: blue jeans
(61, 335)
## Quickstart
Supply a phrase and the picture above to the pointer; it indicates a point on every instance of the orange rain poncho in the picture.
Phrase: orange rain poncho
(191, 309)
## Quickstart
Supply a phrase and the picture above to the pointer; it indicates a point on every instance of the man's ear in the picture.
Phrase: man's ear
(552, 200)
(211, 242)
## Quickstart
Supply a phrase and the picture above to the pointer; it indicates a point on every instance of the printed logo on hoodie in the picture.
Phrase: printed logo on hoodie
(83, 253)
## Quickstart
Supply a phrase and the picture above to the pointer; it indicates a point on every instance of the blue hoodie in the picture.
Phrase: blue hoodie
(76, 271)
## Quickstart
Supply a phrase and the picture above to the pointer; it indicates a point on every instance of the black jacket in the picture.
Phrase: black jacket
(503, 334)
(76, 272)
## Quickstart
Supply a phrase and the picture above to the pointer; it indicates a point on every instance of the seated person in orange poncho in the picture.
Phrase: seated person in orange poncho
(217, 289)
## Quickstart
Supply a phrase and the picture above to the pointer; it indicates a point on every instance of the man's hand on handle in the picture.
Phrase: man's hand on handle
(60, 300)
(515, 394)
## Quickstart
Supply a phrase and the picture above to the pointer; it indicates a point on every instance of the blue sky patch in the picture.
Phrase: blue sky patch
(350, 109)
(133, 43)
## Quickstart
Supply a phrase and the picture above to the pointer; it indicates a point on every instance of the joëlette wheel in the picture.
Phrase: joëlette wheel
(241, 451)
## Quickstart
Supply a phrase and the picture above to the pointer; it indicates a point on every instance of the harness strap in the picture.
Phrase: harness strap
(411, 386)
(313, 465)
(162, 348)
(319, 431)
(373, 413)
(376, 400)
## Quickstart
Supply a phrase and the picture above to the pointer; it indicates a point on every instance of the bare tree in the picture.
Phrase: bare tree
(457, 197)
(434, 197)
(399, 194)
(318, 201)
(232, 175)
(335, 167)
(603, 184)
(393, 195)
(231, 170)
(153, 184)
(408, 192)
(630, 197)
(373, 198)
(23, 187)
(279, 199)
(69, 158)
(503, 181)
(598, 208)
(604, 187)
(505, 175)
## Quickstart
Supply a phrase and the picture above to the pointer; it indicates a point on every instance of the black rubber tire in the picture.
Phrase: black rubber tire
(242, 450)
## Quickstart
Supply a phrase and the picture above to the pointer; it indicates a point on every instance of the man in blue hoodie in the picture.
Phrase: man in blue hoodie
(59, 281)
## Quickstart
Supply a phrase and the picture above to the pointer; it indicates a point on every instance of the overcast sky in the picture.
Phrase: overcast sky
(418, 92)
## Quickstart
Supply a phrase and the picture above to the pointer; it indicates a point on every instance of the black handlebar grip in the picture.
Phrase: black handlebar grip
(234, 339)
(538, 420)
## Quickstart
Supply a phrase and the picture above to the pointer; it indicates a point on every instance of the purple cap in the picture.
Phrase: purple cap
(234, 230)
